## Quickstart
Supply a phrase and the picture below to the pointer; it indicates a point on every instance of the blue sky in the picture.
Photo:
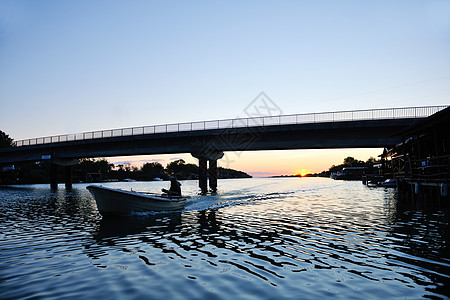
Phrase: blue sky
(74, 66)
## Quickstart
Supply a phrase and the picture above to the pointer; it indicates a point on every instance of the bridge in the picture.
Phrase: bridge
(207, 140)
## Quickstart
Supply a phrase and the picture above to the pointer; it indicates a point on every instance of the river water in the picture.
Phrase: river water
(277, 238)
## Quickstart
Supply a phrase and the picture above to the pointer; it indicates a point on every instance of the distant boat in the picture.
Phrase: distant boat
(129, 180)
(335, 175)
(157, 179)
(389, 183)
(119, 202)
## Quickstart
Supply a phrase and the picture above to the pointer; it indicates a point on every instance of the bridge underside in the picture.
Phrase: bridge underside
(352, 134)
(204, 143)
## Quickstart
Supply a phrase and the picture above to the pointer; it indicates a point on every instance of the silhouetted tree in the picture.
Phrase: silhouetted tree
(351, 160)
(5, 140)
(94, 166)
(104, 166)
(348, 161)
(152, 168)
(371, 160)
(176, 166)
(230, 173)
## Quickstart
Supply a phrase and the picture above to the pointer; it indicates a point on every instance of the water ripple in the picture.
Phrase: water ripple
(262, 238)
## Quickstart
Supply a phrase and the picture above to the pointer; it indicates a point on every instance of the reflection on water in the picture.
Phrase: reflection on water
(260, 238)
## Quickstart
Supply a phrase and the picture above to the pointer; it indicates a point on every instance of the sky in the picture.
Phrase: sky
(76, 66)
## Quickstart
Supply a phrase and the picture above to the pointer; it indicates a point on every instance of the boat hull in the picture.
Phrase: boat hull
(119, 202)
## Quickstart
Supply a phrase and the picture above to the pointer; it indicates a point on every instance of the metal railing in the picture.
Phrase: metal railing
(339, 116)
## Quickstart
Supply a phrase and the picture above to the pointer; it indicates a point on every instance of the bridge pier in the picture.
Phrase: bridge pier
(54, 166)
(53, 176)
(68, 177)
(203, 171)
(202, 175)
(213, 175)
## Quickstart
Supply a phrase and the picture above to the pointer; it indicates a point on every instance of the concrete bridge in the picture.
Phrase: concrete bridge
(207, 140)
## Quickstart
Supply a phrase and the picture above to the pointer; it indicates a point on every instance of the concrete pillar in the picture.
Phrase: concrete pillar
(213, 175)
(205, 152)
(67, 163)
(202, 176)
(68, 177)
(53, 176)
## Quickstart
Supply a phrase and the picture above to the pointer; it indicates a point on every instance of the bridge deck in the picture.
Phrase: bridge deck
(350, 134)
(258, 121)
(349, 129)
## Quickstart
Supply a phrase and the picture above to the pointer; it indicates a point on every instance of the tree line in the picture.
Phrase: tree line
(90, 170)
(352, 162)
(349, 161)
(149, 170)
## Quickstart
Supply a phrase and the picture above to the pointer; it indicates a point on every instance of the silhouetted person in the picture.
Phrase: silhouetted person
(175, 188)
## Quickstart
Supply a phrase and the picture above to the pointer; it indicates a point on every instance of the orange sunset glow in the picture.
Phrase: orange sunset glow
(266, 163)
(303, 172)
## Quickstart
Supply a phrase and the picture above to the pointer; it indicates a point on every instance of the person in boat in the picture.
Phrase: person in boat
(175, 188)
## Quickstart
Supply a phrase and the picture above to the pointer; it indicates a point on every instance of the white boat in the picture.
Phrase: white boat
(120, 202)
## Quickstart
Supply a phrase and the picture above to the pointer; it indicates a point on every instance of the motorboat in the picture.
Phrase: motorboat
(121, 202)
(389, 183)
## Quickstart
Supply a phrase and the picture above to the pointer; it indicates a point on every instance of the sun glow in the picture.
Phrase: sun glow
(303, 172)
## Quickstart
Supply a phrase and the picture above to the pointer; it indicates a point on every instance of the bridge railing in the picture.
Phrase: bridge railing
(339, 116)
